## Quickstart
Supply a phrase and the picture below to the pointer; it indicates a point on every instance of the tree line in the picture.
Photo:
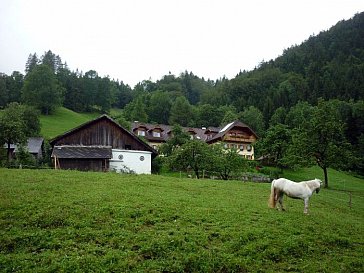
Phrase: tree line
(325, 69)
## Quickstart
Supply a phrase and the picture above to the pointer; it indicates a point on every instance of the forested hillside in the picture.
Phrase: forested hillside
(328, 67)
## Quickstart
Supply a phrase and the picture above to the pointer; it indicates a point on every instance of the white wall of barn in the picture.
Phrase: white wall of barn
(139, 162)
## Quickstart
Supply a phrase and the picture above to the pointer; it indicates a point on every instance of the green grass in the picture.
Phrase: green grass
(337, 180)
(63, 120)
(68, 221)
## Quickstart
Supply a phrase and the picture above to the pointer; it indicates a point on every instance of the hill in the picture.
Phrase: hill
(92, 222)
(329, 65)
(62, 120)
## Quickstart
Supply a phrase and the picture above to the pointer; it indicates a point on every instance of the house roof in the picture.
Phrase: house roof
(199, 133)
(34, 145)
(82, 152)
(228, 127)
(165, 129)
(103, 117)
(212, 130)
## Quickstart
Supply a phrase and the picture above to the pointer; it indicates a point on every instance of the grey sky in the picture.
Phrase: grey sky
(140, 39)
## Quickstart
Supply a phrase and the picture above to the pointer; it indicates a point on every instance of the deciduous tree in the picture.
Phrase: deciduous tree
(275, 143)
(17, 122)
(253, 117)
(179, 137)
(41, 89)
(321, 139)
(226, 162)
(194, 154)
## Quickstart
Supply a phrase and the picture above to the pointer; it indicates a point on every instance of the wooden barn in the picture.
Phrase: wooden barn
(101, 145)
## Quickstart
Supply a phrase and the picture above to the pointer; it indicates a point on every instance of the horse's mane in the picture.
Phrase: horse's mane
(313, 184)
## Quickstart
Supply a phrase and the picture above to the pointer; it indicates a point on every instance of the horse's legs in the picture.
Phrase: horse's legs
(280, 200)
(305, 210)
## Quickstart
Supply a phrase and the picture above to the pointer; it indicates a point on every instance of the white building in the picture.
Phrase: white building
(129, 161)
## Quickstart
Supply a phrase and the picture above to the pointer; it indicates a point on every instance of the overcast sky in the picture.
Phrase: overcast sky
(138, 40)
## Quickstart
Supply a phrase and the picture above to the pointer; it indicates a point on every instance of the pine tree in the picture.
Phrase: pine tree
(31, 63)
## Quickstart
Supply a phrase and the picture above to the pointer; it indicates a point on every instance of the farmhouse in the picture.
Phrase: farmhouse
(235, 135)
(102, 145)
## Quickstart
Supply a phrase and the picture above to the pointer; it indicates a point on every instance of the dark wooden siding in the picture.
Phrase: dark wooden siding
(103, 133)
(84, 164)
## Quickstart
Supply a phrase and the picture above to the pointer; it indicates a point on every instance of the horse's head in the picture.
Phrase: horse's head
(318, 184)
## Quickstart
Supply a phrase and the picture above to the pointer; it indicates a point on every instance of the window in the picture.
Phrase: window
(241, 147)
(141, 133)
(141, 158)
(156, 134)
(248, 147)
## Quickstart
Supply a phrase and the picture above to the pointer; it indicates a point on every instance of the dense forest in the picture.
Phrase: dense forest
(327, 67)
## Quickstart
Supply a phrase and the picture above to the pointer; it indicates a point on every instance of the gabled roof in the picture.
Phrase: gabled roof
(212, 130)
(166, 131)
(199, 133)
(228, 127)
(103, 117)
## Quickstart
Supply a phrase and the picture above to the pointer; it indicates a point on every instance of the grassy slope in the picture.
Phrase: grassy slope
(79, 222)
(63, 120)
(337, 180)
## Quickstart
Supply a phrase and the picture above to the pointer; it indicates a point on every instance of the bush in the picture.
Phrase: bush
(272, 172)
(157, 164)
(24, 158)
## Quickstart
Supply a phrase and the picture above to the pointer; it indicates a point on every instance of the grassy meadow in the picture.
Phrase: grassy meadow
(69, 221)
(63, 120)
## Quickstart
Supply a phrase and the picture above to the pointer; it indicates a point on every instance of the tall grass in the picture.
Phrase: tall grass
(104, 222)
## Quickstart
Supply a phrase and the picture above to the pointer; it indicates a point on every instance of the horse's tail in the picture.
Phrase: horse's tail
(272, 200)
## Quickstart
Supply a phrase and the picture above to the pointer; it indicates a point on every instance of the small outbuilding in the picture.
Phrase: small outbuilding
(34, 146)
(102, 145)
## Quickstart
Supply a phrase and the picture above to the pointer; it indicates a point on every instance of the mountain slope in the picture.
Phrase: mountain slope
(63, 120)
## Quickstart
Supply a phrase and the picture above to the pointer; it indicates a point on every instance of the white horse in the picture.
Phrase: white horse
(301, 190)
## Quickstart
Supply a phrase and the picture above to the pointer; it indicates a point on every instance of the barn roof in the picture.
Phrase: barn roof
(82, 152)
(103, 117)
